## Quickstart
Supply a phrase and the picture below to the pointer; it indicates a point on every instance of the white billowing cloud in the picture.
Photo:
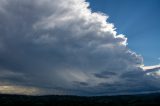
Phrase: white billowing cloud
(63, 45)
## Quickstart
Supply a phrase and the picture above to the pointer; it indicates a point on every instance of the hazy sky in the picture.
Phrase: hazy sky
(66, 47)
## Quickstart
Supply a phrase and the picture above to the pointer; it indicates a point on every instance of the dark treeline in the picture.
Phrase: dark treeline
(123, 100)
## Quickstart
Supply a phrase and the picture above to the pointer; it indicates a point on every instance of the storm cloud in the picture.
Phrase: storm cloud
(62, 47)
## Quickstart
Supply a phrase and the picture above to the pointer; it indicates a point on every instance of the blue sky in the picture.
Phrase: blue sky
(139, 20)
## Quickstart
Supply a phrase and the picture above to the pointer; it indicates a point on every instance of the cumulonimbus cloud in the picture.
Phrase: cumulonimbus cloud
(62, 46)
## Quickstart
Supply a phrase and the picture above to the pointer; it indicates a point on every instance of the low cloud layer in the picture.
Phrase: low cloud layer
(62, 47)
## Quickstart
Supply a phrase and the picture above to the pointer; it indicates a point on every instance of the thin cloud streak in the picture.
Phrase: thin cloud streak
(149, 69)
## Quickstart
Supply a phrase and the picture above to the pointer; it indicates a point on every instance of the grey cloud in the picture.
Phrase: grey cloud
(105, 74)
(50, 44)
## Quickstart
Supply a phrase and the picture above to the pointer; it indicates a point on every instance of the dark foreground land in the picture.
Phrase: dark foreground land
(126, 100)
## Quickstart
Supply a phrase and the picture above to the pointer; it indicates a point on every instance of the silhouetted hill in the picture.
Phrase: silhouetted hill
(123, 100)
